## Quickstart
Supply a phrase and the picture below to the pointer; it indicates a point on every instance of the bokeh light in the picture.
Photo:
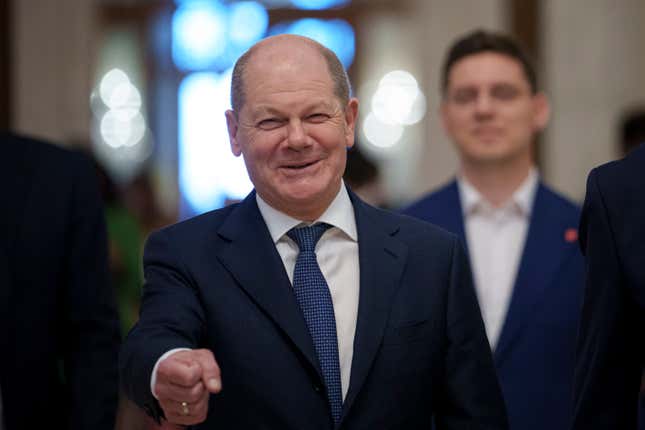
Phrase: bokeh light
(248, 22)
(199, 34)
(380, 134)
(398, 99)
(318, 4)
(208, 171)
(111, 80)
(335, 34)
(122, 123)
(117, 131)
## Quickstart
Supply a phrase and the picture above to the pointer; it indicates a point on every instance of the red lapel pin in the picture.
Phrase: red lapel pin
(571, 235)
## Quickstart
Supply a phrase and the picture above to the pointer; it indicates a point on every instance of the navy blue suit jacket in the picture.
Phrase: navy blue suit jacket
(611, 346)
(217, 281)
(535, 352)
(59, 329)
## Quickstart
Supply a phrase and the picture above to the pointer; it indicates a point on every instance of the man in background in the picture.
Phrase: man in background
(59, 330)
(521, 236)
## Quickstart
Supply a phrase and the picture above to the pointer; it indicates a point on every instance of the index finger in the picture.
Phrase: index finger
(211, 374)
(181, 370)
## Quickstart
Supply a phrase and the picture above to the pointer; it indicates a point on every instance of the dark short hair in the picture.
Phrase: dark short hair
(480, 41)
(342, 87)
(632, 133)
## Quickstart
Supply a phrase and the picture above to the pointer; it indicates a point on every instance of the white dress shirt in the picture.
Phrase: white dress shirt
(337, 255)
(496, 237)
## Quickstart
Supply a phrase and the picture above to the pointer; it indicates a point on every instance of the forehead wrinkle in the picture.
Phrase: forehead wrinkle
(261, 107)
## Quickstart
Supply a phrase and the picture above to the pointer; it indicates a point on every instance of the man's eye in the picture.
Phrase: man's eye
(318, 118)
(504, 92)
(269, 124)
(464, 96)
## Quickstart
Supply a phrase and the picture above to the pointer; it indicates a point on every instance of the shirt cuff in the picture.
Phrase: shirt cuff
(153, 377)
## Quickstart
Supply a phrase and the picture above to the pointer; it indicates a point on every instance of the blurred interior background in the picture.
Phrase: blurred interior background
(143, 84)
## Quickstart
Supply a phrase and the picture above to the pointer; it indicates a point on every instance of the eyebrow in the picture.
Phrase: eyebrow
(262, 110)
(489, 84)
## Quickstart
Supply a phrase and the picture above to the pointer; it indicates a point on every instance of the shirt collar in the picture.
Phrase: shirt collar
(522, 198)
(340, 214)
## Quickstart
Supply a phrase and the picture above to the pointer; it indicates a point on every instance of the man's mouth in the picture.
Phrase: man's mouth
(487, 132)
(300, 165)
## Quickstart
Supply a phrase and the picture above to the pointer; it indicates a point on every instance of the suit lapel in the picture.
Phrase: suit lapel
(540, 260)
(251, 257)
(381, 259)
(453, 219)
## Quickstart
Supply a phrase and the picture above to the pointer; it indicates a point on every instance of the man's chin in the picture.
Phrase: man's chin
(304, 197)
(492, 158)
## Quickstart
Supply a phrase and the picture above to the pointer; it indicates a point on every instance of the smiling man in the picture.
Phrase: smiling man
(302, 307)
(521, 236)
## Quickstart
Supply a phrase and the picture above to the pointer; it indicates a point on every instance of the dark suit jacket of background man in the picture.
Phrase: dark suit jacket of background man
(217, 281)
(59, 333)
(535, 352)
(611, 347)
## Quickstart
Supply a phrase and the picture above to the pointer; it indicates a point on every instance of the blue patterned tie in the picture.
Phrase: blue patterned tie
(315, 302)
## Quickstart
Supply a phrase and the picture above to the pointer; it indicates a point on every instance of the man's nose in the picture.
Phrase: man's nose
(484, 105)
(297, 134)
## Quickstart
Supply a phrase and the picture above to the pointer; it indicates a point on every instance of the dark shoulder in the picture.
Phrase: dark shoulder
(194, 228)
(564, 206)
(41, 158)
(431, 203)
(23, 146)
(43, 172)
(622, 173)
(413, 231)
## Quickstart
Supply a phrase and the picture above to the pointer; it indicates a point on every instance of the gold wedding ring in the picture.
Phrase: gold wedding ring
(184, 408)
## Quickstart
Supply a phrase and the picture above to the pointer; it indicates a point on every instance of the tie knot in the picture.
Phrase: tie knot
(307, 237)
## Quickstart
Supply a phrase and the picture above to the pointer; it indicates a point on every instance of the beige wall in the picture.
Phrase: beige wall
(51, 68)
(595, 67)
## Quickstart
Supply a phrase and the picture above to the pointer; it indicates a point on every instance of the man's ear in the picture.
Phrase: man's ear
(232, 125)
(351, 116)
(541, 111)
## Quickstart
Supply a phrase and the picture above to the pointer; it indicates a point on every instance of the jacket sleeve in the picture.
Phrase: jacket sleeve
(171, 316)
(91, 323)
(607, 375)
(471, 394)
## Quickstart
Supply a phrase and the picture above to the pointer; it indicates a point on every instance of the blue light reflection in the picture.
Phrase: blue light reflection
(198, 34)
(248, 21)
(335, 34)
(208, 171)
(319, 4)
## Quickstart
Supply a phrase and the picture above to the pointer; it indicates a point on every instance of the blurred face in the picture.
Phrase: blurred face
(292, 130)
(489, 110)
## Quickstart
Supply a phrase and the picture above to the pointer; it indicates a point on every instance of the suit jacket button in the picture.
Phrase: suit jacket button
(317, 388)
